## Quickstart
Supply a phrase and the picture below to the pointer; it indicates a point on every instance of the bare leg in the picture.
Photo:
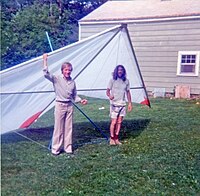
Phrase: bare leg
(112, 131)
(117, 130)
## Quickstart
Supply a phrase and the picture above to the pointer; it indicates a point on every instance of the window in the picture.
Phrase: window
(188, 63)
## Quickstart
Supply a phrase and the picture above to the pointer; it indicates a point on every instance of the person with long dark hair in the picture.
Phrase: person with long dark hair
(117, 91)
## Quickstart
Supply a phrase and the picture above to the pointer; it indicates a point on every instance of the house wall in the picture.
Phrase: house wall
(156, 45)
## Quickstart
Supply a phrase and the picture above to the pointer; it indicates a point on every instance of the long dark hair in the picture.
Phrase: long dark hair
(115, 75)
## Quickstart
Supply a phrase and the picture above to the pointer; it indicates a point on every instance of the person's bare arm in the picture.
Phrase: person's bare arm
(47, 75)
(111, 97)
(45, 56)
(130, 106)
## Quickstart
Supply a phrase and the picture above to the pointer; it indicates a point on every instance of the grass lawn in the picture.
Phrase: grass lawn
(160, 154)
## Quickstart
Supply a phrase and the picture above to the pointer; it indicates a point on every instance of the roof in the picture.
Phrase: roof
(143, 9)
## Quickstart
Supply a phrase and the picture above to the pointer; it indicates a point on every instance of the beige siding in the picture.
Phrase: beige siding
(88, 30)
(156, 45)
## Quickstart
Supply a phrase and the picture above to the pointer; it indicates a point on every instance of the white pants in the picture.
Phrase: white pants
(62, 135)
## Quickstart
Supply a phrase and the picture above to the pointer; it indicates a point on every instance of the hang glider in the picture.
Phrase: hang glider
(26, 94)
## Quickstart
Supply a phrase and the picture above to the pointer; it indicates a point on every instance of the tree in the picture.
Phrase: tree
(24, 24)
(24, 36)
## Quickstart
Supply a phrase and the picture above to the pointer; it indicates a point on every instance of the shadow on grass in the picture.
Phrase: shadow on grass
(84, 133)
(133, 128)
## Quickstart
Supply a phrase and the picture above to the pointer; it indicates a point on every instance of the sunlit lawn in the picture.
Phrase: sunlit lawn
(160, 154)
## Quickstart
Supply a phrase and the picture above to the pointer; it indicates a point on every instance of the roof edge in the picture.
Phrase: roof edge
(138, 20)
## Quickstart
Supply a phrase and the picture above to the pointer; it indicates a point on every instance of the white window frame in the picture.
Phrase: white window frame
(180, 53)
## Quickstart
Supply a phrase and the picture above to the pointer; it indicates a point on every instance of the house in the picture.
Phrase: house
(165, 35)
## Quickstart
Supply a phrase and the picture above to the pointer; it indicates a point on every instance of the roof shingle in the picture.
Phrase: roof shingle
(144, 9)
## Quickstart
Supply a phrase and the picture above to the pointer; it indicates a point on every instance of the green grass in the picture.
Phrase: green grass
(159, 156)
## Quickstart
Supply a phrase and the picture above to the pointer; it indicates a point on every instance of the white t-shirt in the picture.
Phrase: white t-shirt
(118, 89)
